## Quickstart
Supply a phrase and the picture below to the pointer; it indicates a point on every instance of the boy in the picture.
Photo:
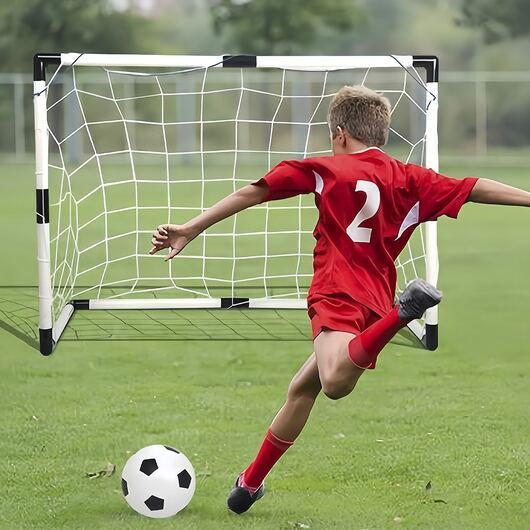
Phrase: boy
(369, 204)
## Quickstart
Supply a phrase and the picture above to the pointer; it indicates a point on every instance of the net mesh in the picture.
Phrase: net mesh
(132, 150)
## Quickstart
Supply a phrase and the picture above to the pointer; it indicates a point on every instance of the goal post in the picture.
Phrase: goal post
(126, 142)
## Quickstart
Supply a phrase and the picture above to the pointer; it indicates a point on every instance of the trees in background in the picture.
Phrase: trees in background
(455, 30)
(497, 20)
(281, 27)
(30, 26)
(258, 26)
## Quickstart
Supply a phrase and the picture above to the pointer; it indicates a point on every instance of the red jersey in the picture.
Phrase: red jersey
(369, 204)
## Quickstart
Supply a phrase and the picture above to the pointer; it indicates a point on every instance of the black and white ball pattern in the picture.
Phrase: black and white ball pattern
(158, 481)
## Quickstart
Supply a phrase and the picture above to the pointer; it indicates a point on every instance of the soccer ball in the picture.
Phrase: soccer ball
(158, 481)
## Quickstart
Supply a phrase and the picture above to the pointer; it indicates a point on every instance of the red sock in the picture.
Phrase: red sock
(269, 453)
(364, 349)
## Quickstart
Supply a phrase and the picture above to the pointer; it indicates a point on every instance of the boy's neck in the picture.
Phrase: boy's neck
(350, 147)
(354, 146)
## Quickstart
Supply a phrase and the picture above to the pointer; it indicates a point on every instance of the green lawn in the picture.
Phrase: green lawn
(457, 418)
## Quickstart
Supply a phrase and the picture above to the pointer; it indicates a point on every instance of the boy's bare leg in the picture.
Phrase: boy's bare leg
(301, 394)
(339, 360)
(287, 424)
(323, 369)
(342, 357)
(285, 428)
(338, 374)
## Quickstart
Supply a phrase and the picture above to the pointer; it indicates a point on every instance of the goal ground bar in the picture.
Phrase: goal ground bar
(191, 303)
(427, 335)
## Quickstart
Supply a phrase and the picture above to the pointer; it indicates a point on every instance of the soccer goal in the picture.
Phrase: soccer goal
(124, 143)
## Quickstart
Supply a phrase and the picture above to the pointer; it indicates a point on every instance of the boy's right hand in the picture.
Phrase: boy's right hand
(174, 237)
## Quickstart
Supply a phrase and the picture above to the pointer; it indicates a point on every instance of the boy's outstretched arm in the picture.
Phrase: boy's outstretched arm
(492, 192)
(176, 237)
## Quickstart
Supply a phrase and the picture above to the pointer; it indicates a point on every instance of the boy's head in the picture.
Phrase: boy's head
(362, 114)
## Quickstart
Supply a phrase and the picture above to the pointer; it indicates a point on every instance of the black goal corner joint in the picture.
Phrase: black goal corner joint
(41, 61)
(431, 63)
(46, 342)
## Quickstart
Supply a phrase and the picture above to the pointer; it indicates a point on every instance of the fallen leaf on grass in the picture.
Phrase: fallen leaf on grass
(428, 489)
(107, 472)
(298, 524)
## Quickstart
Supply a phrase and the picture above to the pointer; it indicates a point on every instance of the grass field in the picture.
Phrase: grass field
(457, 418)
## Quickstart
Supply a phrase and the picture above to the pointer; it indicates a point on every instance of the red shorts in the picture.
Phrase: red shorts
(339, 313)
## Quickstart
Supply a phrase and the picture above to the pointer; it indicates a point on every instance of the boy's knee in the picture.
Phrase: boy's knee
(297, 391)
(302, 388)
(335, 389)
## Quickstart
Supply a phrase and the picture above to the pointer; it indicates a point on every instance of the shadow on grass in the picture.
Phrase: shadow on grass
(19, 315)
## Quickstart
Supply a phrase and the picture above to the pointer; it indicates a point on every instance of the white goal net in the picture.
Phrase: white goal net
(132, 143)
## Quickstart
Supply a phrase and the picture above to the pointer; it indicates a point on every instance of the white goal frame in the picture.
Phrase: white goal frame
(50, 329)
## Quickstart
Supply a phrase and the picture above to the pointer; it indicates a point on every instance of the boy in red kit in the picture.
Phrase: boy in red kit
(369, 204)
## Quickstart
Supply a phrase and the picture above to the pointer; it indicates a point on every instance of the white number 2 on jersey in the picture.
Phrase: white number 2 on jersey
(361, 234)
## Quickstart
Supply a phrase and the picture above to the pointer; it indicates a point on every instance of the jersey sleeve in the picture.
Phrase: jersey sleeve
(287, 179)
(439, 195)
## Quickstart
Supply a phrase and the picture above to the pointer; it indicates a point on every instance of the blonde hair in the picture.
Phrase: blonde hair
(364, 113)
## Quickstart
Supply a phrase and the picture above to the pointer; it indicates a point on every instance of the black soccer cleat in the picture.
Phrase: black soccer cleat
(240, 499)
(417, 297)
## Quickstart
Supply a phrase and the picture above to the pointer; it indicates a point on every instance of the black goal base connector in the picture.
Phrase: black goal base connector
(81, 304)
(430, 338)
(235, 303)
(46, 342)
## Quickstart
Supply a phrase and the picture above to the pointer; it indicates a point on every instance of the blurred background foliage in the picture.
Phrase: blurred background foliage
(30, 26)
(467, 35)
(463, 33)
(497, 20)
(279, 27)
